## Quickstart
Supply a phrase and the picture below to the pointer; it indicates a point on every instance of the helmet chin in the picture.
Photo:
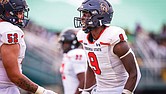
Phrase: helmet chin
(88, 29)
(84, 27)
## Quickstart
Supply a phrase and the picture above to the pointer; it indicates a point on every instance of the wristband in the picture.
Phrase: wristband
(126, 53)
(84, 92)
(88, 89)
(40, 90)
(125, 91)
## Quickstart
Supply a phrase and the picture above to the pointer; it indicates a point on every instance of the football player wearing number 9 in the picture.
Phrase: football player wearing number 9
(106, 47)
(13, 16)
(73, 64)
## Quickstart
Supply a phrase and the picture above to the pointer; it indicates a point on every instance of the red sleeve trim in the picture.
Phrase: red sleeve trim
(121, 37)
(104, 43)
(81, 41)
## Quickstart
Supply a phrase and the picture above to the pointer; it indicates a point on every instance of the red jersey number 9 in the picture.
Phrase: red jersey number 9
(94, 63)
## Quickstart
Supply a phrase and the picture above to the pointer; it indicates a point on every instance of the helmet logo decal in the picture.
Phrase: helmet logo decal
(104, 8)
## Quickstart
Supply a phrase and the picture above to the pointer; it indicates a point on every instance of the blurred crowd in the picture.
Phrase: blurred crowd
(150, 49)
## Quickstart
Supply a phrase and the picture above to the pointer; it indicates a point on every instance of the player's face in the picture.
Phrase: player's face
(20, 16)
(84, 19)
(66, 46)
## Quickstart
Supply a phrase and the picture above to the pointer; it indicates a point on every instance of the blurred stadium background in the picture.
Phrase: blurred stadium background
(143, 20)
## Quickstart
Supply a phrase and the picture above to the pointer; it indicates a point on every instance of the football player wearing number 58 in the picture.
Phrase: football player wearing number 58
(13, 17)
(109, 55)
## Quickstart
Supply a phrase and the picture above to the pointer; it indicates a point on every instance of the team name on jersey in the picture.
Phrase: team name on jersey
(95, 47)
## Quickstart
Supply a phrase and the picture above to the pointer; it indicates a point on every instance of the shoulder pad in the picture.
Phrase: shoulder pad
(115, 35)
(9, 33)
(12, 37)
(77, 55)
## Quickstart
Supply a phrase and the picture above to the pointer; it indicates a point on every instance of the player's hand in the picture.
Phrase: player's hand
(4, 1)
(41, 90)
(85, 92)
(49, 92)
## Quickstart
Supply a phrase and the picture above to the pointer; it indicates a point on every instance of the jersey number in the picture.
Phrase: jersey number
(78, 57)
(94, 63)
(12, 38)
(62, 71)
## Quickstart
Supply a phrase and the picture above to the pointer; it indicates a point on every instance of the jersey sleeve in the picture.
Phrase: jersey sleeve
(12, 37)
(117, 36)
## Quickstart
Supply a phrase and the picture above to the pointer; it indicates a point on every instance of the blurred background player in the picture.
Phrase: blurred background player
(74, 62)
(106, 47)
(14, 16)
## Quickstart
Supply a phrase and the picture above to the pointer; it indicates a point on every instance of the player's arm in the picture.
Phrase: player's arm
(90, 80)
(128, 59)
(81, 79)
(10, 53)
(90, 77)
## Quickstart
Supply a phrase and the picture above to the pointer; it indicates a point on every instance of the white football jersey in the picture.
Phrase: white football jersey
(73, 63)
(10, 34)
(110, 73)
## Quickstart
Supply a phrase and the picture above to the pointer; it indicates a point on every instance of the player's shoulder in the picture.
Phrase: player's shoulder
(75, 52)
(114, 34)
(77, 55)
(10, 34)
(9, 27)
(114, 30)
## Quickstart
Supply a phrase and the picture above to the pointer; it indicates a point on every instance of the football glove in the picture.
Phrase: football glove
(49, 92)
(41, 90)
(85, 92)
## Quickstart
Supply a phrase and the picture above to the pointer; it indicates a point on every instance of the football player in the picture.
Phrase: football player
(73, 64)
(109, 55)
(13, 16)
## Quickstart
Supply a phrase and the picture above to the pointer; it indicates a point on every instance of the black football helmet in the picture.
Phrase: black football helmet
(9, 11)
(101, 14)
(69, 36)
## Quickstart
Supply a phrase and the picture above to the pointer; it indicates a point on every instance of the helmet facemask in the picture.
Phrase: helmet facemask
(86, 21)
(101, 14)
